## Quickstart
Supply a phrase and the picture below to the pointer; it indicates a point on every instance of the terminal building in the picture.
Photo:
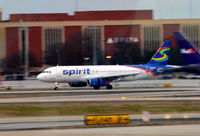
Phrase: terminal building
(89, 34)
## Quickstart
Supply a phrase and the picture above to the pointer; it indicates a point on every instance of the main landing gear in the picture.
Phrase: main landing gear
(107, 87)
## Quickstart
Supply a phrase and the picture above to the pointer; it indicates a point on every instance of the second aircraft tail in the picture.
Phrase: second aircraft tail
(188, 52)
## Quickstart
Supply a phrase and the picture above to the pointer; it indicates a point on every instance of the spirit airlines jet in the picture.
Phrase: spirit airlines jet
(190, 55)
(102, 75)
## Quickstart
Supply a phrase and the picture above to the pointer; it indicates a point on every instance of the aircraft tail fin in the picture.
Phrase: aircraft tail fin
(162, 55)
(189, 53)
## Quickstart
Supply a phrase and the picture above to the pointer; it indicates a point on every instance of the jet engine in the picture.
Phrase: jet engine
(96, 83)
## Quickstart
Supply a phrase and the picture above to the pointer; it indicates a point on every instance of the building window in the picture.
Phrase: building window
(192, 32)
(92, 44)
(53, 39)
(151, 38)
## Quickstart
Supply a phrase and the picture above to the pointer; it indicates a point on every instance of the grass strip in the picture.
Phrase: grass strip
(14, 110)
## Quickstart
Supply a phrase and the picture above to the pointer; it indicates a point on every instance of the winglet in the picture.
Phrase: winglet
(162, 55)
(188, 52)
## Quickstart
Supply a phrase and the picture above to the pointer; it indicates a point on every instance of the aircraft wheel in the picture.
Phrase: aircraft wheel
(109, 87)
(56, 88)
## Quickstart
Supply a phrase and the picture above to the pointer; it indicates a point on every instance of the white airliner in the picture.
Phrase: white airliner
(102, 75)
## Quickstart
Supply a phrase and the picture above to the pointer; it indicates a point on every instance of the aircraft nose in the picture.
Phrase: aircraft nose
(40, 77)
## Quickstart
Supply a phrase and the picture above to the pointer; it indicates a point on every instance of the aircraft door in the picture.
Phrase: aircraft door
(58, 73)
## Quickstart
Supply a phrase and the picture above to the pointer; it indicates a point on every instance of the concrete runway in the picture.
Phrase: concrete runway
(79, 91)
(158, 94)
(168, 130)
(116, 95)
(138, 83)
(24, 123)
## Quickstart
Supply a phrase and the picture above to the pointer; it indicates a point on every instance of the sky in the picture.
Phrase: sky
(162, 9)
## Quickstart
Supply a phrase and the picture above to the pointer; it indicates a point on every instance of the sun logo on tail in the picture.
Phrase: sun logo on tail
(161, 51)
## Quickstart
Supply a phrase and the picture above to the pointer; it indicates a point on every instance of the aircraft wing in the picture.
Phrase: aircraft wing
(192, 66)
(113, 76)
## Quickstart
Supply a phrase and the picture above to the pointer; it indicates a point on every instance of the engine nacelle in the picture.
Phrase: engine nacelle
(97, 82)
(78, 84)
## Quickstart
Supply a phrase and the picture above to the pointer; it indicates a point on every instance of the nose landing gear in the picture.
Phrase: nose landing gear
(56, 86)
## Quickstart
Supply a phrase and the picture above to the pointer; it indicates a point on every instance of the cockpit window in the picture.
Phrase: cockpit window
(46, 72)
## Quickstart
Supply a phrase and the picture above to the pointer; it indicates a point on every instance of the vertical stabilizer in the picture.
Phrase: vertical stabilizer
(188, 52)
(162, 55)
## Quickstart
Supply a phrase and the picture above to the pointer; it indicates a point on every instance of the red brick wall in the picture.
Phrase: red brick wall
(87, 15)
(73, 41)
(118, 31)
(35, 42)
(168, 30)
(12, 41)
(73, 34)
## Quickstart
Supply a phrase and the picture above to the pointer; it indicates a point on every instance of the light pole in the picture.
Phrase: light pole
(94, 46)
(25, 50)
(58, 51)
(76, 5)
